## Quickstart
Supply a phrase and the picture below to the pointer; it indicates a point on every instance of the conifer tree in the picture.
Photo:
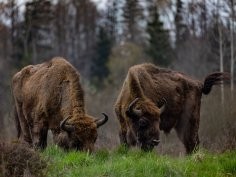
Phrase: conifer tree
(159, 48)
(103, 48)
(132, 14)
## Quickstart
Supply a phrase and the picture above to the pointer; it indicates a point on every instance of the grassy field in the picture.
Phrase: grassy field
(123, 162)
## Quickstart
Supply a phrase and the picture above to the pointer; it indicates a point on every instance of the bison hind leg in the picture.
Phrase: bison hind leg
(192, 145)
(23, 127)
(122, 136)
(189, 137)
(187, 131)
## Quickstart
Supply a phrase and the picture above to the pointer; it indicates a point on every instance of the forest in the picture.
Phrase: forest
(104, 38)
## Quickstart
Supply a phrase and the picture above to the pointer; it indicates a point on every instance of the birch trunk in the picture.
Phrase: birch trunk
(232, 51)
(221, 62)
(221, 53)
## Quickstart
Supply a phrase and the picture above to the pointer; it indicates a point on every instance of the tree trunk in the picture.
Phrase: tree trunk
(232, 50)
(221, 61)
(34, 56)
(221, 53)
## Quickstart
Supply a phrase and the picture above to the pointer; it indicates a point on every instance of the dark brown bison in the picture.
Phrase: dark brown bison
(49, 96)
(154, 99)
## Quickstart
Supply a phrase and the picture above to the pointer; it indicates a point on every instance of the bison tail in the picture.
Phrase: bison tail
(17, 123)
(216, 78)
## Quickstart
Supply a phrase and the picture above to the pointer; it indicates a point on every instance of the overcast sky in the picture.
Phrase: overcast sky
(100, 3)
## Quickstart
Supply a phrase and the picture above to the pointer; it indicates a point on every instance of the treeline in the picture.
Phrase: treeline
(169, 33)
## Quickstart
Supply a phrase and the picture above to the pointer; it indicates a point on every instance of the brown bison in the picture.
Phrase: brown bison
(154, 99)
(49, 96)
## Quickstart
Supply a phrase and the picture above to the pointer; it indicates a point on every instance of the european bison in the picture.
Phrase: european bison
(154, 99)
(49, 96)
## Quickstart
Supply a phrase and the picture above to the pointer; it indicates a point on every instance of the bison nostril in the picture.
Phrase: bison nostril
(155, 142)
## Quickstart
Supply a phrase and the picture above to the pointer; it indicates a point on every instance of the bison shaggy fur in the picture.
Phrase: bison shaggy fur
(49, 96)
(155, 99)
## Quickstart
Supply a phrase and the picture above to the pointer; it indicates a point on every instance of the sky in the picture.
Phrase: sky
(101, 4)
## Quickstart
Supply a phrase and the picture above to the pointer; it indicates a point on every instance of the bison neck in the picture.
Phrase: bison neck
(72, 101)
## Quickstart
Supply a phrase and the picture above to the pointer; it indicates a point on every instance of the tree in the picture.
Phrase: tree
(232, 9)
(132, 14)
(76, 26)
(221, 58)
(12, 14)
(103, 49)
(38, 30)
(111, 19)
(60, 28)
(6, 34)
(159, 48)
(121, 59)
(180, 26)
(203, 17)
(219, 41)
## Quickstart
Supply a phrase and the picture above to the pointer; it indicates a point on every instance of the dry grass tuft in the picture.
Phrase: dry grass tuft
(17, 160)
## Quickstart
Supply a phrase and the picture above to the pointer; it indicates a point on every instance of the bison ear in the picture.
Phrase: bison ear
(163, 107)
(101, 122)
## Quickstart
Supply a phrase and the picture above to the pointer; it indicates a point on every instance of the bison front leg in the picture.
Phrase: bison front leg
(39, 133)
(123, 127)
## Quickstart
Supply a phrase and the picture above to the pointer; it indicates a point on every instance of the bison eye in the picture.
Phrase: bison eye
(143, 123)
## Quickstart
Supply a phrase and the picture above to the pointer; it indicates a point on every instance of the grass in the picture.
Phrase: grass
(123, 162)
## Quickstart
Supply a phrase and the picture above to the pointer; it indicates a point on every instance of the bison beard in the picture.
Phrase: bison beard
(154, 99)
(49, 96)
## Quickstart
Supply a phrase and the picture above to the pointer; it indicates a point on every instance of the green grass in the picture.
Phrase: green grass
(127, 163)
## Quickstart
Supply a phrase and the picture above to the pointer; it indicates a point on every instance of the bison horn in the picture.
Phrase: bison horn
(131, 109)
(66, 127)
(162, 108)
(100, 122)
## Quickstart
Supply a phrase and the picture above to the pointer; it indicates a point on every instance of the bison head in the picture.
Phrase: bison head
(145, 120)
(80, 134)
